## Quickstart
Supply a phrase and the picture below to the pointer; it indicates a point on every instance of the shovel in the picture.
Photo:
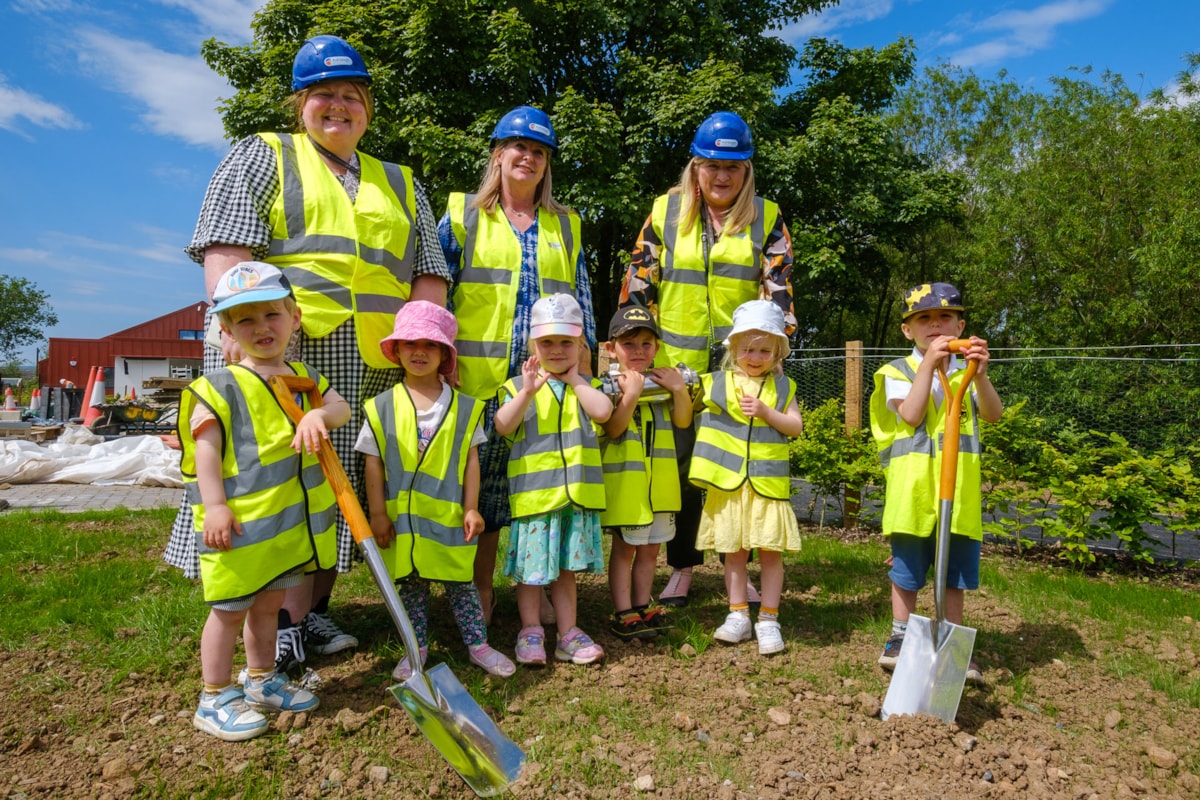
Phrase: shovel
(439, 705)
(932, 667)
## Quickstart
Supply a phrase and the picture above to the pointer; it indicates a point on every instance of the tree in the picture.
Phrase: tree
(626, 83)
(24, 314)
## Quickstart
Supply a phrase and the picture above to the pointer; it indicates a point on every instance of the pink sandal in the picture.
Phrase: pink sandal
(676, 592)
(491, 660)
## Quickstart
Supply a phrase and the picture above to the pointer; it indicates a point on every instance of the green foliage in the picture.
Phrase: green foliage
(24, 312)
(831, 458)
(1083, 487)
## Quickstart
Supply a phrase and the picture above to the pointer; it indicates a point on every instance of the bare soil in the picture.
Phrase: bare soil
(653, 720)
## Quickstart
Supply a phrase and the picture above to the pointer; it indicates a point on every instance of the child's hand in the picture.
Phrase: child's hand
(472, 524)
(669, 378)
(753, 407)
(310, 432)
(631, 383)
(938, 351)
(531, 378)
(382, 530)
(978, 351)
(219, 526)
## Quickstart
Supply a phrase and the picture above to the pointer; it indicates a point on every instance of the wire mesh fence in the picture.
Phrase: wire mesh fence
(1150, 395)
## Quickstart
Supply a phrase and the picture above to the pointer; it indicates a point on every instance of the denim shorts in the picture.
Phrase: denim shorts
(913, 556)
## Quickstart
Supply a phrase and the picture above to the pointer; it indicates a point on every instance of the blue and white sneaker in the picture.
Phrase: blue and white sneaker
(228, 716)
(275, 692)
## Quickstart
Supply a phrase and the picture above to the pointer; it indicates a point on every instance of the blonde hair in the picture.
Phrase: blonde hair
(487, 197)
(295, 102)
(740, 215)
(580, 340)
(779, 349)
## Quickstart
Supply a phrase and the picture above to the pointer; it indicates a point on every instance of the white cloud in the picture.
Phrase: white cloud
(19, 109)
(180, 93)
(1025, 32)
(228, 20)
(845, 14)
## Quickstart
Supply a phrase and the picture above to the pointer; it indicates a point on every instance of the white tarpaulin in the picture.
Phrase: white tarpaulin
(80, 456)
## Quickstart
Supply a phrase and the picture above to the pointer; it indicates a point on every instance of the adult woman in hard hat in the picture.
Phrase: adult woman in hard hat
(506, 245)
(709, 245)
(356, 237)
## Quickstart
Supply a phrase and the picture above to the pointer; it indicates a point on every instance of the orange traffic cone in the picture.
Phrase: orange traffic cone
(133, 393)
(87, 393)
(10, 402)
(93, 412)
(35, 402)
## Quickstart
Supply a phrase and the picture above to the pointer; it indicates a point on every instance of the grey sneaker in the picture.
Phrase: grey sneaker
(323, 636)
(289, 649)
(276, 693)
(229, 717)
(891, 651)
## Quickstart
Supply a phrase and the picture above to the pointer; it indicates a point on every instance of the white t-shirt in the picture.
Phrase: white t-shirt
(427, 421)
(896, 389)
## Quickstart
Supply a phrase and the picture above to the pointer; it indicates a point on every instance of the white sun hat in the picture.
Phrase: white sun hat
(759, 315)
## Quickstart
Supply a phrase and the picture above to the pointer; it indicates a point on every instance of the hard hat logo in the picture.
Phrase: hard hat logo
(542, 129)
(338, 61)
(726, 143)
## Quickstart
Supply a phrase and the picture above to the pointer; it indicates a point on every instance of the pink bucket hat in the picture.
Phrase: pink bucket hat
(420, 319)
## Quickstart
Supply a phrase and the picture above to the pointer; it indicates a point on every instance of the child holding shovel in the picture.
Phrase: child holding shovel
(263, 511)
(908, 414)
(421, 441)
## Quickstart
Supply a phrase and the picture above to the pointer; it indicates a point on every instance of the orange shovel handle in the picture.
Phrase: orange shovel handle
(284, 387)
(953, 421)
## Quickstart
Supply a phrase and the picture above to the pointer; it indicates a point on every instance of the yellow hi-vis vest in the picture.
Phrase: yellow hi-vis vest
(425, 490)
(697, 296)
(285, 506)
(732, 448)
(641, 475)
(911, 459)
(555, 458)
(344, 258)
(485, 295)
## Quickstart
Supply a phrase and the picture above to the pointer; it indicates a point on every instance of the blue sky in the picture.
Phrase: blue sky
(109, 130)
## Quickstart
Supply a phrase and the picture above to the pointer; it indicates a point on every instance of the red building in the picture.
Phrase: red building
(169, 346)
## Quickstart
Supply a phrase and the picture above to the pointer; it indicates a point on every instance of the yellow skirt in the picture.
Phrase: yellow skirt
(745, 520)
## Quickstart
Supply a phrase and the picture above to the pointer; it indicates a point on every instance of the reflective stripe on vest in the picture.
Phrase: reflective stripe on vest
(344, 258)
(424, 491)
(555, 459)
(911, 459)
(696, 300)
(485, 296)
(286, 508)
(731, 448)
(641, 483)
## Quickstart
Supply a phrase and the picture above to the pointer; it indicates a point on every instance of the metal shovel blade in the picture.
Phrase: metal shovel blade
(461, 731)
(929, 676)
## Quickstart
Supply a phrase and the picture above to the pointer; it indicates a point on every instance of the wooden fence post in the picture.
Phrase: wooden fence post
(852, 495)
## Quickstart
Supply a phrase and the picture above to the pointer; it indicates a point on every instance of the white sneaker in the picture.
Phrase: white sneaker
(736, 628)
(769, 638)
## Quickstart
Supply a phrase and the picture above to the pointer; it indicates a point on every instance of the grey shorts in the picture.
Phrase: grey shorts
(285, 581)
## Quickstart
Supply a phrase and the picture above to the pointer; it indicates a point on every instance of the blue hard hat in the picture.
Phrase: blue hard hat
(324, 58)
(724, 136)
(526, 122)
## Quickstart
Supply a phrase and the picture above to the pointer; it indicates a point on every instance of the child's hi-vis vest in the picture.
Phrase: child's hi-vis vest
(425, 490)
(285, 506)
(911, 459)
(555, 458)
(700, 287)
(485, 294)
(731, 448)
(641, 475)
(344, 258)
